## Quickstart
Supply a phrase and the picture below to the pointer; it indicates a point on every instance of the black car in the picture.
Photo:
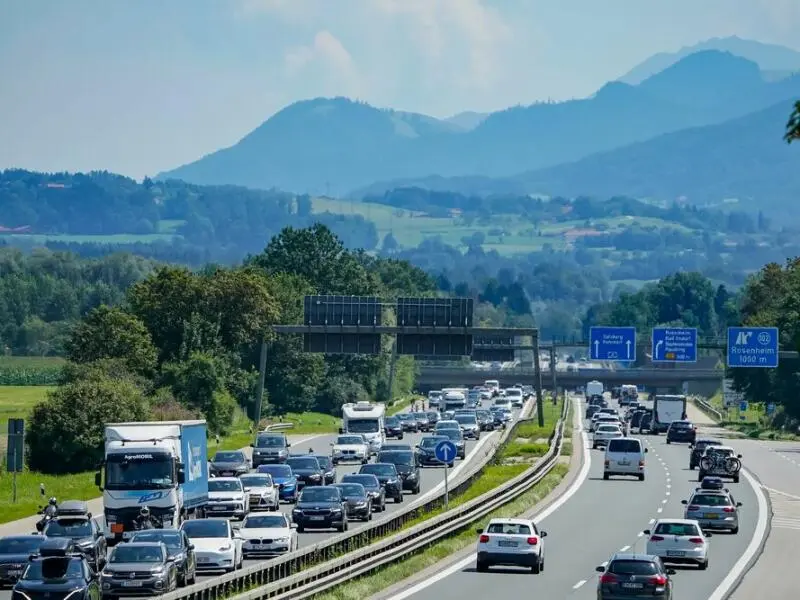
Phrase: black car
(634, 576)
(396, 448)
(372, 486)
(359, 502)
(423, 423)
(590, 410)
(393, 428)
(407, 465)
(320, 507)
(426, 450)
(139, 569)
(388, 477)
(58, 571)
(681, 431)
(307, 470)
(408, 422)
(84, 533)
(329, 470)
(698, 448)
(636, 417)
(15, 550)
(646, 422)
(179, 548)
(270, 448)
(229, 464)
(433, 418)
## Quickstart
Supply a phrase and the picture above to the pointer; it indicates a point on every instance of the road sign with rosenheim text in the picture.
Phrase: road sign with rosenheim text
(675, 344)
(612, 343)
(754, 347)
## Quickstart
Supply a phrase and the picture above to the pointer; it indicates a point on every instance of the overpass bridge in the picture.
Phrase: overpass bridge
(435, 377)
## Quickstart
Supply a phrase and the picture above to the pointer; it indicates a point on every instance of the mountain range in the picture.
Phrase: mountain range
(339, 145)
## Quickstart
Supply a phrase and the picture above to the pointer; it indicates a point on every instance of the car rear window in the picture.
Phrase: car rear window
(681, 425)
(633, 567)
(624, 446)
(677, 529)
(509, 529)
(711, 500)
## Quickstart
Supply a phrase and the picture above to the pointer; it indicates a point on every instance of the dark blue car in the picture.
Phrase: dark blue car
(285, 478)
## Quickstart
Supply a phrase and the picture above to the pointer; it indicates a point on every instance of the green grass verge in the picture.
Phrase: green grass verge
(309, 423)
(401, 404)
(414, 564)
(753, 422)
(17, 402)
(79, 486)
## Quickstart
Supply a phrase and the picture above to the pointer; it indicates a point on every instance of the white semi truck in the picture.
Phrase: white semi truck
(367, 419)
(666, 409)
(161, 464)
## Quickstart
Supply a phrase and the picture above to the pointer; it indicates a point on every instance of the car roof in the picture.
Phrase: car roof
(707, 441)
(633, 556)
(383, 464)
(676, 522)
(169, 530)
(230, 478)
(143, 544)
(721, 447)
(510, 521)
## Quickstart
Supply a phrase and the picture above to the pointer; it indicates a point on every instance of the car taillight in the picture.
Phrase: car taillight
(533, 541)
(608, 578)
(484, 539)
(693, 507)
(641, 463)
(656, 538)
(696, 540)
(728, 509)
(658, 580)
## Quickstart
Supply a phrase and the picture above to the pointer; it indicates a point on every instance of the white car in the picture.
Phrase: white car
(217, 547)
(605, 420)
(350, 447)
(678, 541)
(227, 498)
(515, 396)
(605, 432)
(267, 535)
(262, 491)
(625, 456)
(511, 542)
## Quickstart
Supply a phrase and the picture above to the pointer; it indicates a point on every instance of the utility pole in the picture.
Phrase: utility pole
(553, 378)
(262, 376)
(537, 370)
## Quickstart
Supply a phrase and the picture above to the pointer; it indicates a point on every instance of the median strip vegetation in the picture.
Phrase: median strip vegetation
(505, 467)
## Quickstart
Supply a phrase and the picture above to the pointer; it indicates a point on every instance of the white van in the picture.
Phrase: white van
(594, 388)
(625, 456)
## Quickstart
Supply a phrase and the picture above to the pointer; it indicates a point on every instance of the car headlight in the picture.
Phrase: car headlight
(282, 540)
(362, 504)
(412, 475)
(336, 510)
(315, 476)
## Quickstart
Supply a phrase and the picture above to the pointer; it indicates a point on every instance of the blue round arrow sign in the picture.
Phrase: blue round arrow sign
(445, 451)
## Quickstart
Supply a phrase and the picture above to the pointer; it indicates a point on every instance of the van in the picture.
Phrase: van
(625, 456)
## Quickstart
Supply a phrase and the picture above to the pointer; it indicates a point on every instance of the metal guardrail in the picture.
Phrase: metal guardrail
(708, 409)
(312, 582)
(313, 558)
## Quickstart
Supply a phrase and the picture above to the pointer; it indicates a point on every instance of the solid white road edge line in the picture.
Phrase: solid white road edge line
(558, 503)
(754, 545)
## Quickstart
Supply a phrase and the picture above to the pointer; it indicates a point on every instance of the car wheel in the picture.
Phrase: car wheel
(300, 529)
(736, 479)
(606, 476)
(192, 579)
(641, 477)
(703, 565)
(481, 567)
(594, 446)
(668, 441)
(399, 499)
(536, 568)
(700, 475)
(691, 467)
(416, 490)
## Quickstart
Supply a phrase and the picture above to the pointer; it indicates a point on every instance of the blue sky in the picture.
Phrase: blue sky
(140, 86)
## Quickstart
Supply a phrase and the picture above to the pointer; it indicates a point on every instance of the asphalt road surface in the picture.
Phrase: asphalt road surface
(601, 518)
(432, 480)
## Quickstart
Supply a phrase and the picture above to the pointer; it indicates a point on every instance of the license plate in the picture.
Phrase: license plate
(218, 508)
(507, 544)
(132, 583)
(711, 516)
(632, 586)
(624, 463)
(203, 559)
(316, 518)
(676, 553)
(14, 573)
(227, 474)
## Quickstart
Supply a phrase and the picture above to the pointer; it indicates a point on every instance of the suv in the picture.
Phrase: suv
(270, 448)
(321, 507)
(681, 431)
(59, 566)
(407, 465)
(85, 533)
(713, 509)
(698, 448)
(635, 576)
(624, 456)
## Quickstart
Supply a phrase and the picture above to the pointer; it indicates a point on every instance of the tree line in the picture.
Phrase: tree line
(185, 344)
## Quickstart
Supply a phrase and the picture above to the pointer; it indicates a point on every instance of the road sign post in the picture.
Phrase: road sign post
(753, 347)
(674, 344)
(445, 452)
(612, 343)
(15, 452)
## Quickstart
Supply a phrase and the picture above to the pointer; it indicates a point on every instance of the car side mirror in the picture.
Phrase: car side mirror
(646, 450)
(600, 569)
(190, 546)
(333, 444)
(684, 502)
(341, 429)
(181, 476)
(738, 504)
(671, 571)
(738, 456)
(293, 525)
(543, 534)
(646, 532)
(708, 534)
(98, 481)
(479, 530)
(252, 445)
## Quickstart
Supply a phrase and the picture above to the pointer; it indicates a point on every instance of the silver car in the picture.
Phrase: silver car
(713, 509)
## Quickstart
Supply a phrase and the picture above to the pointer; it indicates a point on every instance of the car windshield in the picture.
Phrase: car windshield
(677, 529)
(681, 425)
(379, 469)
(319, 494)
(702, 445)
(451, 434)
(421, 416)
(270, 441)
(711, 500)
(128, 553)
(466, 419)
(229, 457)
(55, 568)
(206, 528)
(265, 522)
(632, 567)
(325, 462)
(11, 545)
(624, 446)
(363, 425)
(224, 485)
(262, 480)
(509, 529)
(607, 428)
(430, 442)
(71, 528)
(369, 481)
(351, 489)
(719, 451)
(397, 457)
(281, 471)
(351, 440)
(169, 539)
(304, 463)
(442, 425)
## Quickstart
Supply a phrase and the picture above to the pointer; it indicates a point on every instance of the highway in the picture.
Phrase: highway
(599, 519)
(432, 480)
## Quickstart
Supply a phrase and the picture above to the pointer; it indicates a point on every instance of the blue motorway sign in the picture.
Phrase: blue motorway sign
(675, 344)
(753, 347)
(445, 451)
(743, 406)
(612, 343)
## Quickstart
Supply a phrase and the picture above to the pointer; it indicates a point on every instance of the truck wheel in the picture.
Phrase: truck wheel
(668, 441)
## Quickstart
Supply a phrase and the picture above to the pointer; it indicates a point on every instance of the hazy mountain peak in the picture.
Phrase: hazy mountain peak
(467, 120)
